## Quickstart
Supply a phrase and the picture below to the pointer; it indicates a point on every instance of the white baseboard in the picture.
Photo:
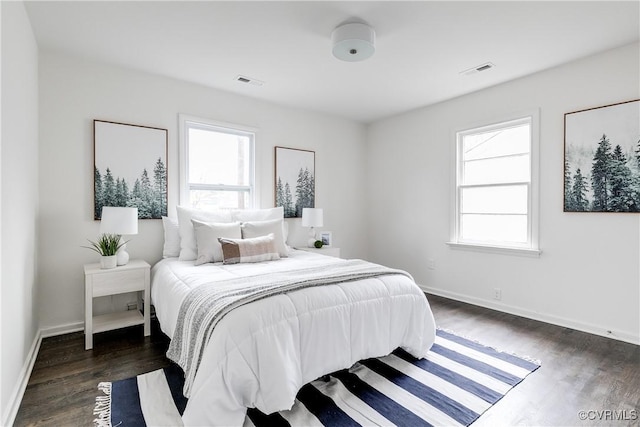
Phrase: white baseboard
(62, 329)
(25, 373)
(23, 379)
(543, 317)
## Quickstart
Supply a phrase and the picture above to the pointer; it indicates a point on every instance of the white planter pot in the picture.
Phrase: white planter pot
(108, 261)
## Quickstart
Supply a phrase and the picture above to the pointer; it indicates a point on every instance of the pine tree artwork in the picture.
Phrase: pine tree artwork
(294, 180)
(602, 159)
(578, 200)
(130, 168)
(601, 175)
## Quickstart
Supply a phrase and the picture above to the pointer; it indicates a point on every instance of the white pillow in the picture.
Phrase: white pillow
(188, 246)
(246, 215)
(207, 234)
(253, 229)
(171, 237)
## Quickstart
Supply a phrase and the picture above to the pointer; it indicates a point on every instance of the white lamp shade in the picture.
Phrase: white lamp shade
(353, 42)
(116, 220)
(312, 217)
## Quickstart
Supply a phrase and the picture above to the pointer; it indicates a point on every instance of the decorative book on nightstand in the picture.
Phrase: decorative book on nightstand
(327, 250)
(98, 282)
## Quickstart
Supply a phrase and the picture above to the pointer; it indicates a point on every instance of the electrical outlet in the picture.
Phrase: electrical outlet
(497, 294)
(431, 264)
(132, 305)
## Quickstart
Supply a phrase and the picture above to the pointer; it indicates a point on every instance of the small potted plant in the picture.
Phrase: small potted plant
(107, 246)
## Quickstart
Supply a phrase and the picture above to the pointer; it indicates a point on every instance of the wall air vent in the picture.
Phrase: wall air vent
(249, 80)
(482, 67)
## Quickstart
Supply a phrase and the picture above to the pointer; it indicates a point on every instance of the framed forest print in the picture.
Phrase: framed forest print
(130, 168)
(295, 180)
(602, 159)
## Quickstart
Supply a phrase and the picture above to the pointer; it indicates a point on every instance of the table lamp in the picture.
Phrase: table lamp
(118, 220)
(312, 217)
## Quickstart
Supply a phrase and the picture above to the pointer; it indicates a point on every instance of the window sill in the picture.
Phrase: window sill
(504, 250)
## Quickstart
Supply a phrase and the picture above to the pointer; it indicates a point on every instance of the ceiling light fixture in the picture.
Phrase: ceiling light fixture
(353, 42)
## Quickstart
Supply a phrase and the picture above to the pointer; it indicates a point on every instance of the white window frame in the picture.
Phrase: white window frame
(531, 247)
(186, 122)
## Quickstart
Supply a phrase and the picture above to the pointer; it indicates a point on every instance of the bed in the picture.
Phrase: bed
(260, 353)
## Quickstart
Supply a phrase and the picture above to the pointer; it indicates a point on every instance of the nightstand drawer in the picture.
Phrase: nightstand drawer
(118, 282)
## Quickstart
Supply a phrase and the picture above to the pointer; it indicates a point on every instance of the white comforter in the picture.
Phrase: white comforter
(262, 353)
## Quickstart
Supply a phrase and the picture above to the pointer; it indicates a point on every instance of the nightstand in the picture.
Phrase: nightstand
(98, 282)
(327, 250)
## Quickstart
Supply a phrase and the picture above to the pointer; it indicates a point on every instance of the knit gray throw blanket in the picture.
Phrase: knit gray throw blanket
(206, 305)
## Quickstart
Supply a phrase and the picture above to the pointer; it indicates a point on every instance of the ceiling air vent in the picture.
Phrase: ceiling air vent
(483, 67)
(249, 80)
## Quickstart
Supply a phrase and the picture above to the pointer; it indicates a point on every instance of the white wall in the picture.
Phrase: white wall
(73, 92)
(588, 275)
(19, 203)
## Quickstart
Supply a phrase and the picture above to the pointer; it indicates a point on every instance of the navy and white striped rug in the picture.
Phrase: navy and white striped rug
(457, 381)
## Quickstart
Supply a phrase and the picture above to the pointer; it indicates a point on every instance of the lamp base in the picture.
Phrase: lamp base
(122, 255)
(312, 238)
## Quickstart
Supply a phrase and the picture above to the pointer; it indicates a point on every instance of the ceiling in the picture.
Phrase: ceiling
(421, 46)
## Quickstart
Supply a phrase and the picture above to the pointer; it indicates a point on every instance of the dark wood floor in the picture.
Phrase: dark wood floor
(63, 385)
(580, 372)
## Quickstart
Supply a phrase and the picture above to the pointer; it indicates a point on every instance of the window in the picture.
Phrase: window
(217, 165)
(496, 203)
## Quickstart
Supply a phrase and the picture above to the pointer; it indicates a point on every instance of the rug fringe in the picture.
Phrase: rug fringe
(102, 408)
(527, 358)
